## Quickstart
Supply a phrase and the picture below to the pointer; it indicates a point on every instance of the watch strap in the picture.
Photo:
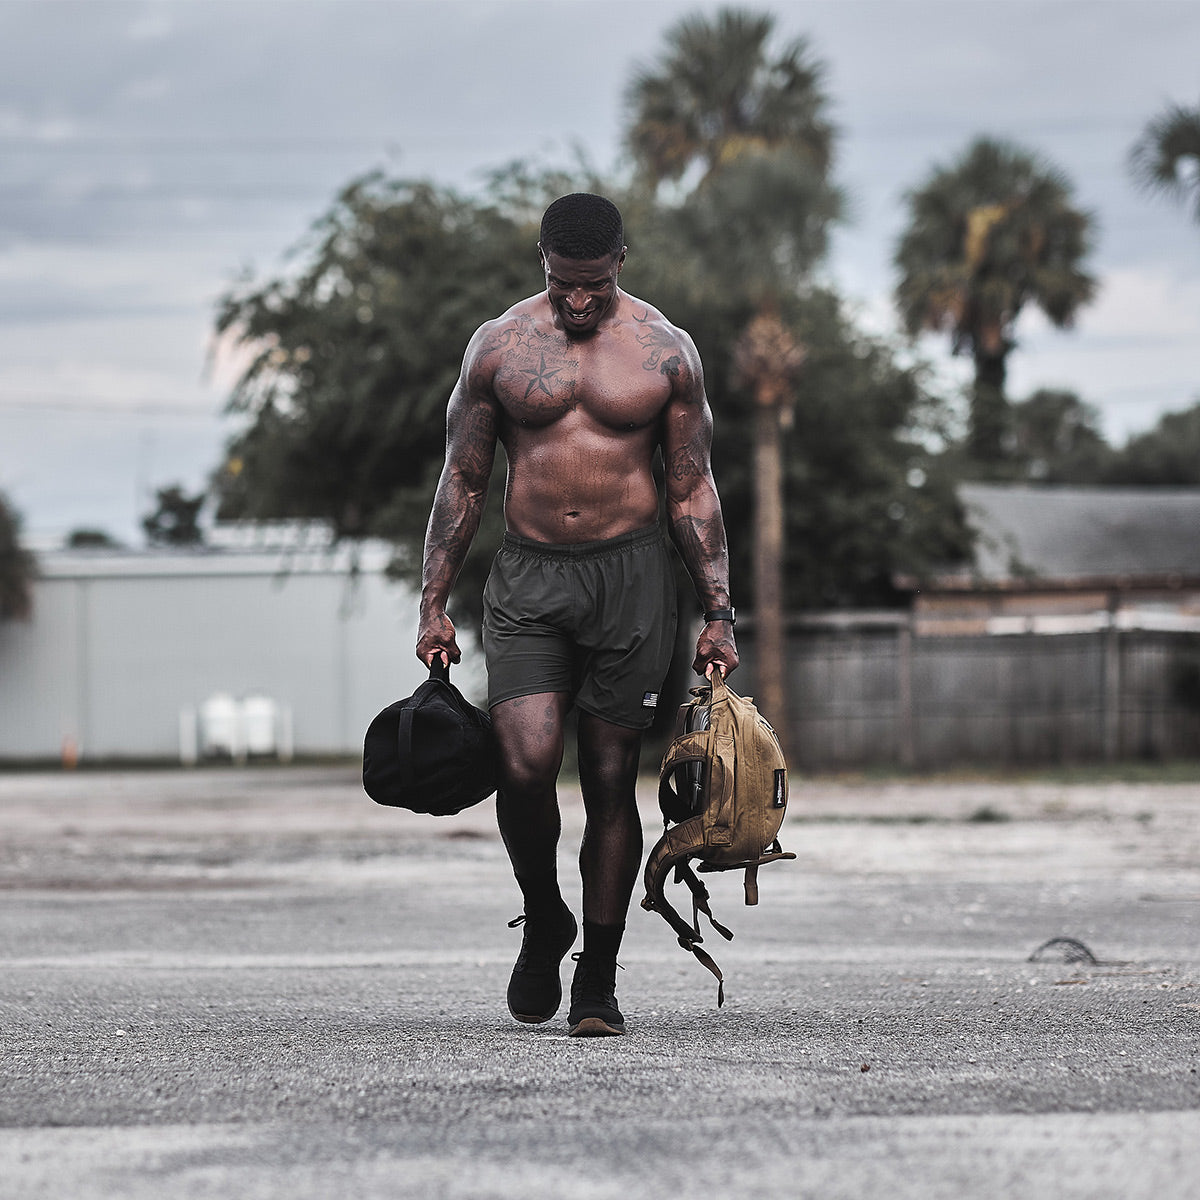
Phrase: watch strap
(721, 614)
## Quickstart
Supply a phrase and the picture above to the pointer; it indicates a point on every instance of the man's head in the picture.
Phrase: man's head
(582, 246)
(582, 226)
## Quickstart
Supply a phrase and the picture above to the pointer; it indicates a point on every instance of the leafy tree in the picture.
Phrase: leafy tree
(1166, 456)
(1166, 158)
(353, 356)
(996, 230)
(717, 92)
(866, 499)
(353, 353)
(736, 254)
(175, 519)
(1056, 438)
(17, 566)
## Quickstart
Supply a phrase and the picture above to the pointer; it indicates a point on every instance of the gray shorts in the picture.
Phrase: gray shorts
(595, 620)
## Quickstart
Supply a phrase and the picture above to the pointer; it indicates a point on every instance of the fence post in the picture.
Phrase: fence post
(904, 690)
(1111, 708)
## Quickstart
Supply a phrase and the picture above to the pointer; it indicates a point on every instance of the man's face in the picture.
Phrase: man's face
(581, 290)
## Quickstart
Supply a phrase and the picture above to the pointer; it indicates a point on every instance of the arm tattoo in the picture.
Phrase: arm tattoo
(683, 465)
(701, 542)
(656, 338)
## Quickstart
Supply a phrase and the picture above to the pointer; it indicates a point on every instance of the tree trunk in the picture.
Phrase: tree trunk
(988, 434)
(770, 642)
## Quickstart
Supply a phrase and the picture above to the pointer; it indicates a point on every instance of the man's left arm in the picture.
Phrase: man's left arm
(694, 509)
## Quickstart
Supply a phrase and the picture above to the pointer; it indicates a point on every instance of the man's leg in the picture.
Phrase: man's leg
(529, 733)
(608, 861)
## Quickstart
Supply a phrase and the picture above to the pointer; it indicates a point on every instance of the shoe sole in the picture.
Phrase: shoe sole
(527, 1019)
(596, 1027)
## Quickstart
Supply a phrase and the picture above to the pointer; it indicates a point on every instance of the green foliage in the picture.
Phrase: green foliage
(717, 91)
(175, 520)
(354, 354)
(1166, 158)
(996, 230)
(865, 499)
(17, 566)
(1166, 456)
(1056, 438)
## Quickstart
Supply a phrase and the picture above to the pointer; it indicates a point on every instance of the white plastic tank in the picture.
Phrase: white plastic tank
(260, 721)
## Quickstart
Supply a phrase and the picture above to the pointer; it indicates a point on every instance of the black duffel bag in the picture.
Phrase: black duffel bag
(433, 752)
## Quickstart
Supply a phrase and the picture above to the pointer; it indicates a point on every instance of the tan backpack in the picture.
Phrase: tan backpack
(723, 792)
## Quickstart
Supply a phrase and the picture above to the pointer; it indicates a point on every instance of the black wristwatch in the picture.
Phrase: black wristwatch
(722, 614)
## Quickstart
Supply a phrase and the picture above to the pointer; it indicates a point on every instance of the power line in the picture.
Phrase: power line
(190, 144)
(102, 406)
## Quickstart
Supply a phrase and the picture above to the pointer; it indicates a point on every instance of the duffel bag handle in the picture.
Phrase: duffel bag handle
(404, 736)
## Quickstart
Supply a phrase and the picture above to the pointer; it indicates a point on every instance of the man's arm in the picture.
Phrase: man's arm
(472, 423)
(694, 508)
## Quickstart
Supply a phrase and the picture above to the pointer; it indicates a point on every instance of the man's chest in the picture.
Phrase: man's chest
(540, 380)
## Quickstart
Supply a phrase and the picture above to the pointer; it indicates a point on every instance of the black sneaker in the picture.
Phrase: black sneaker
(535, 990)
(594, 1011)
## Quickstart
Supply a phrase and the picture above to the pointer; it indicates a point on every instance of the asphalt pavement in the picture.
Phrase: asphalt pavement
(256, 983)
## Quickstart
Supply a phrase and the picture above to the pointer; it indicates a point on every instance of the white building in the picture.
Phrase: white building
(280, 642)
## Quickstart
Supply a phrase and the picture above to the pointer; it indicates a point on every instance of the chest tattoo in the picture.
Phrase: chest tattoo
(540, 378)
(533, 380)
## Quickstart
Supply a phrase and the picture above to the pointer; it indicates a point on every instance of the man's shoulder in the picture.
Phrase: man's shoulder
(643, 316)
(499, 332)
(665, 343)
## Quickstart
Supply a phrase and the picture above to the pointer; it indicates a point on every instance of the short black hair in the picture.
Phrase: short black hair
(582, 226)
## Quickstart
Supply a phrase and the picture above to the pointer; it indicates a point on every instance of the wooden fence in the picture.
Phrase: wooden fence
(875, 694)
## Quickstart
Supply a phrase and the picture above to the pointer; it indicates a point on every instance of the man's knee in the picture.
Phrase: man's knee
(608, 759)
(530, 740)
(529, 769)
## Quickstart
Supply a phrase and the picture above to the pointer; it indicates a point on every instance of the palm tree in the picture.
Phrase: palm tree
(17, 566)
(1166, 158)
(993, 232)
(717, 91)
(767, 358)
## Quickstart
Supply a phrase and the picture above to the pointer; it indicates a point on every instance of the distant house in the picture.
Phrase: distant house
(272, 641)
(1068, 560)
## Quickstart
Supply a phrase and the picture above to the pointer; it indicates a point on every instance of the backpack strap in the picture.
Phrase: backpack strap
(672, 850)
(715, 752)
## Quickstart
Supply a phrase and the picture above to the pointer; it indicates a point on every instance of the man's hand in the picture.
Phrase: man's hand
(716, 649)
(435, 636)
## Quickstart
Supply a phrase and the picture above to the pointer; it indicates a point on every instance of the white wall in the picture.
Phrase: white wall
(118, 645)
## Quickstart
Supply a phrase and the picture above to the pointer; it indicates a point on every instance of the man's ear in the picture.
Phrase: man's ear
(542, 257)
(621, 260)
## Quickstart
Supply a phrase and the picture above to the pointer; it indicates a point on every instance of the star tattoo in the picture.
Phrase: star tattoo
(539, 378)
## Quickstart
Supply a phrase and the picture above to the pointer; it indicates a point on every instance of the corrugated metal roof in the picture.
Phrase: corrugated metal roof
(210, 561)
(1072, 532)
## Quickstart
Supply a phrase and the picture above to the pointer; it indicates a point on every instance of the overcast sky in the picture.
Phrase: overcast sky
(150, 151)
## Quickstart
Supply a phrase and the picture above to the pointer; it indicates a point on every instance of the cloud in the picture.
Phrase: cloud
(152, 25)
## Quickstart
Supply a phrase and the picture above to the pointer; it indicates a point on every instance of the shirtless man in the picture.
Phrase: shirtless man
(582, 384)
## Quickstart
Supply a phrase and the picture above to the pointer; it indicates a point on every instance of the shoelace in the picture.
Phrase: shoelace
(531, 954)
(595, 975)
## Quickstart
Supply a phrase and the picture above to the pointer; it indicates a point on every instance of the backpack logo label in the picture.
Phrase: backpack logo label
(780, 789)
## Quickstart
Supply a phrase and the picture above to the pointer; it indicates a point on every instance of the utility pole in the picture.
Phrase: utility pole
(768, 358)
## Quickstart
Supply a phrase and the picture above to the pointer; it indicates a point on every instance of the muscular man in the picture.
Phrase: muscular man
(582, 384)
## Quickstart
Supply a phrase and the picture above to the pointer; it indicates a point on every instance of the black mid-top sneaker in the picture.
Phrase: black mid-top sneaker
(594, 1011)
(535, 990)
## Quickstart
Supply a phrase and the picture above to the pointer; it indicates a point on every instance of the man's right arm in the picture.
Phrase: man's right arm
(472, 426)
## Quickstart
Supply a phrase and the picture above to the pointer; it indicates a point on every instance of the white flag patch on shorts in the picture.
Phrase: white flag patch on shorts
(650, 700)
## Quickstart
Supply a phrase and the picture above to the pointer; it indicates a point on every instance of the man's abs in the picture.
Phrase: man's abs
(580, 485)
